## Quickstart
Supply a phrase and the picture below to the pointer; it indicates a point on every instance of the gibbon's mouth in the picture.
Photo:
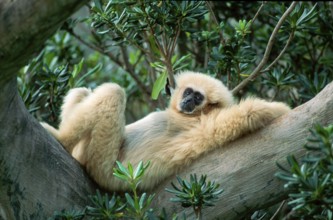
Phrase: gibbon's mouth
(187, 113)
(187, 108)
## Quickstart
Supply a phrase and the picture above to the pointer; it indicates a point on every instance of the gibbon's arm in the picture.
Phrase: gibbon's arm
(249, 115)
(220, 127)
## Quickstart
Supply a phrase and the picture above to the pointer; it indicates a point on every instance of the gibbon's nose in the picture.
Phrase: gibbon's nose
(188, 104)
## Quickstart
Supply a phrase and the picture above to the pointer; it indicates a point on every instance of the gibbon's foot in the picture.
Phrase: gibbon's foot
(85, 111)
(111, 94)
(105, 106)
(260, 112)
(73, 97)
(51, 130)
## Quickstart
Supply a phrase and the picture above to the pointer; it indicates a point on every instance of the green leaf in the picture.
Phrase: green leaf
(77, 68)
(150, 199)
(80, 81)
(130, 200)
(142, 200)
(138, 170)
(122, 169)
(159, 85)
(130, 169)
(306, 16)
(120, 176)
(98, 5)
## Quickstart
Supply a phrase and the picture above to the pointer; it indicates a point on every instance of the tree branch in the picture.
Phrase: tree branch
(264, 60)
(211, 11)
(129, 68)
(278, 210)
(23, 29)
(245, 168)
(37, 176)
(291, 36)
(257, 14)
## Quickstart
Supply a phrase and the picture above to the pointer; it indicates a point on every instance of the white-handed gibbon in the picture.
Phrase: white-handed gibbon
(201, 116)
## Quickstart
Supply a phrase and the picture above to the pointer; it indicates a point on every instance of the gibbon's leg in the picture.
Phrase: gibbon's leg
(73, 97)
(249, 115)
(105, 110)
(95, 126)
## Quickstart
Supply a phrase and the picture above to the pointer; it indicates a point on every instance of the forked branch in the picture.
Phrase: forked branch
(264, 60)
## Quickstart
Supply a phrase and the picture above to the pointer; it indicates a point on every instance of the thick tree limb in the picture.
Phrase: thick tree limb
(25, 25)
(245, 168)
(37, 176)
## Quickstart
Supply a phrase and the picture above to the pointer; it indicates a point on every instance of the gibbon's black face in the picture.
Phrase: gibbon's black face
(191, 100)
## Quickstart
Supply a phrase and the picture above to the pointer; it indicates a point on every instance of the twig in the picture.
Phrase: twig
(150, 58)
(291, 36)
(96, 48)
(164, 49)
(138, 59)
(256, 15)
(278, 210)
(264, 60)
(217, 23)
(131, 71)
(152, 32)
(168, 63)
(126, 66)
(91, 46)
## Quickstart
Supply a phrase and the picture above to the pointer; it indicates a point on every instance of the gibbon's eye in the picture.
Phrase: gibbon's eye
(187, 92)
(198, 98)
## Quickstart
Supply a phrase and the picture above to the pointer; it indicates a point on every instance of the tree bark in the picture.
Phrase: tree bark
(245, 168)
(25, 25)
(37, 176)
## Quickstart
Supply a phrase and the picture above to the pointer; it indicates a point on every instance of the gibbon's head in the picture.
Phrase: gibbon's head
(197, 92)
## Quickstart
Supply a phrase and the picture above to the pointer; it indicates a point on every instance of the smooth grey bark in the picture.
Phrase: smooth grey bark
(37, 176)
(245, 168)
(25, 25)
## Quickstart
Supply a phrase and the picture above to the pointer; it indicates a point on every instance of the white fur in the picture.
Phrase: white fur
(93, 128)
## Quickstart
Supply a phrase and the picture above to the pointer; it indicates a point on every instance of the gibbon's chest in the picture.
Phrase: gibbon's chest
(146, 130)
(158, 127)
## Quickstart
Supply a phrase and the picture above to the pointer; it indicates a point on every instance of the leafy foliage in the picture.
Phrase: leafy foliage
(311, 181)
(137, 206)
(68, 215)
(130, 206)
(49, 76)
(130, 23)
(196, 193)
(141, 44)
(105, 208)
